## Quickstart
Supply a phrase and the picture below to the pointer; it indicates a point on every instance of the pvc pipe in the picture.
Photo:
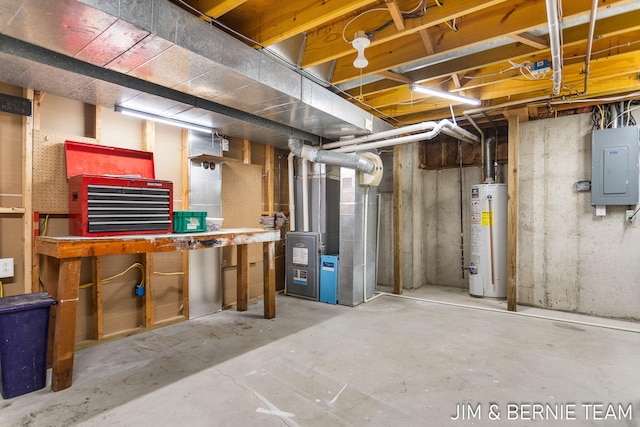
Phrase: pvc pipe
(514, 313)
(554, 40)
(292, 204)
(305, 195)
(380, 135)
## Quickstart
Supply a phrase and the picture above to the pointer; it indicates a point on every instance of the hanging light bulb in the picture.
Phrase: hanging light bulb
(360, 41)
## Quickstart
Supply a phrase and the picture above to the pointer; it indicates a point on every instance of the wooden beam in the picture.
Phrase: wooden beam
(427, 41)
(216, 8)
(396, 14)
(397, 220)
(531, 40)
(290, 18)
(522, 113)
(269, 168)
(512, 215)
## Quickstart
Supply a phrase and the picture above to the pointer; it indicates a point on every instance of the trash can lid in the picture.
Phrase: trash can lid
(25, 302)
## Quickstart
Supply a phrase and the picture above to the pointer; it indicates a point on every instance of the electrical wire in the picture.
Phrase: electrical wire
(108, 279)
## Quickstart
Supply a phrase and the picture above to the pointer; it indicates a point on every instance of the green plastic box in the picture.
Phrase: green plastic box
(189, 221)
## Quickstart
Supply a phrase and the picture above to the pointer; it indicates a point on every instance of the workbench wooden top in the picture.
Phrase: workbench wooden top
(78, 246)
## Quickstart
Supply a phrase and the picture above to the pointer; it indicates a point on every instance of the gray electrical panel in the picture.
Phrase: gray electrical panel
(303, 257)
(614, 166)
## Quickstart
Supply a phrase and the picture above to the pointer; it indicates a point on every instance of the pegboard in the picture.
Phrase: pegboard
(50, 189)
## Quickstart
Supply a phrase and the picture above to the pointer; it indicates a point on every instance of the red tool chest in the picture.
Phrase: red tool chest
(113, 191)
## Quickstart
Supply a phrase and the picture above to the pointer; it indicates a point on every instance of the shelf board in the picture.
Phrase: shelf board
(12, 210)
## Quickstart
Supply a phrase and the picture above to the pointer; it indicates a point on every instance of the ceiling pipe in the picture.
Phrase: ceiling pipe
(444, 126)
(334, 158)
(482, 141)
(592, 27)
(554, 40)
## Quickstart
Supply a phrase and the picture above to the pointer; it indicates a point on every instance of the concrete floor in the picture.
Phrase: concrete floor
(392, 362)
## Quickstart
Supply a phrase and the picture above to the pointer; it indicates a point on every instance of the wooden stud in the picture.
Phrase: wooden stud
(512, 233)
(149, 309)
(397, 220)
(149, 136)
(97, 124)
(269, 167)
(242, 277)
(269, 268)
(246, 152)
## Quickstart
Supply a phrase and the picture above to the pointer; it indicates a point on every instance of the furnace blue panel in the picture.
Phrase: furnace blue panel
(329, 278)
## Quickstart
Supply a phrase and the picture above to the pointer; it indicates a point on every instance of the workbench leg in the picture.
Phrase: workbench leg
(242, 281)
(65, 323)
(269, 262)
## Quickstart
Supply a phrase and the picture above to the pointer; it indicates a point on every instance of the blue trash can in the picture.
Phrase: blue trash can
(24, 332)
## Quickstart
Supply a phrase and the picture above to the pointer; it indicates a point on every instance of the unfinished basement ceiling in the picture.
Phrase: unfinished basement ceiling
(156, 57)
(482, 49)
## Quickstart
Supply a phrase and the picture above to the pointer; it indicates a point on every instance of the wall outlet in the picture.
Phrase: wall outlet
(6, 267)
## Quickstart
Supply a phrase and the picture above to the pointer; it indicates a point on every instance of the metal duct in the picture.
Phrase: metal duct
(489, 170)
(350, 161)
(554, 40)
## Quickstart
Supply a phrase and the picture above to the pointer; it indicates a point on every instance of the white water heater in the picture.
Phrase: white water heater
(488, 228)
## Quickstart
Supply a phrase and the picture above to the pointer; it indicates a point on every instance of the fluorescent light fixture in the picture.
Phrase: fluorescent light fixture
(359, 42)
(445, 95)
(160, 119)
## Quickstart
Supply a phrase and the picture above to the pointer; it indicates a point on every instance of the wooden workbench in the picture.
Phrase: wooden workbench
(70, 250)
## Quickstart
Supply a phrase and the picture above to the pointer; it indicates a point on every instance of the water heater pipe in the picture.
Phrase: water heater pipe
(292, 204)
(489, 171)
(493, 276)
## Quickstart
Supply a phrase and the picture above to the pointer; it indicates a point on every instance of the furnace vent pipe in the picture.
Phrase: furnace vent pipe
(350, 161)
(489, 170)
(292, 204)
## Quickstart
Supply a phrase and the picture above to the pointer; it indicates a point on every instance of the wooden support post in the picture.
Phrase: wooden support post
(397, 220)
(242, 278)
(269, 263)
(27, 201)
(97, 124)
(149, 309)
(66, 309)
(512, 221)
(269, 167)
(186, 163)
(98, 297)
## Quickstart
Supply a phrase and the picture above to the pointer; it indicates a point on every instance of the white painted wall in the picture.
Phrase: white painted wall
(568, 259)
